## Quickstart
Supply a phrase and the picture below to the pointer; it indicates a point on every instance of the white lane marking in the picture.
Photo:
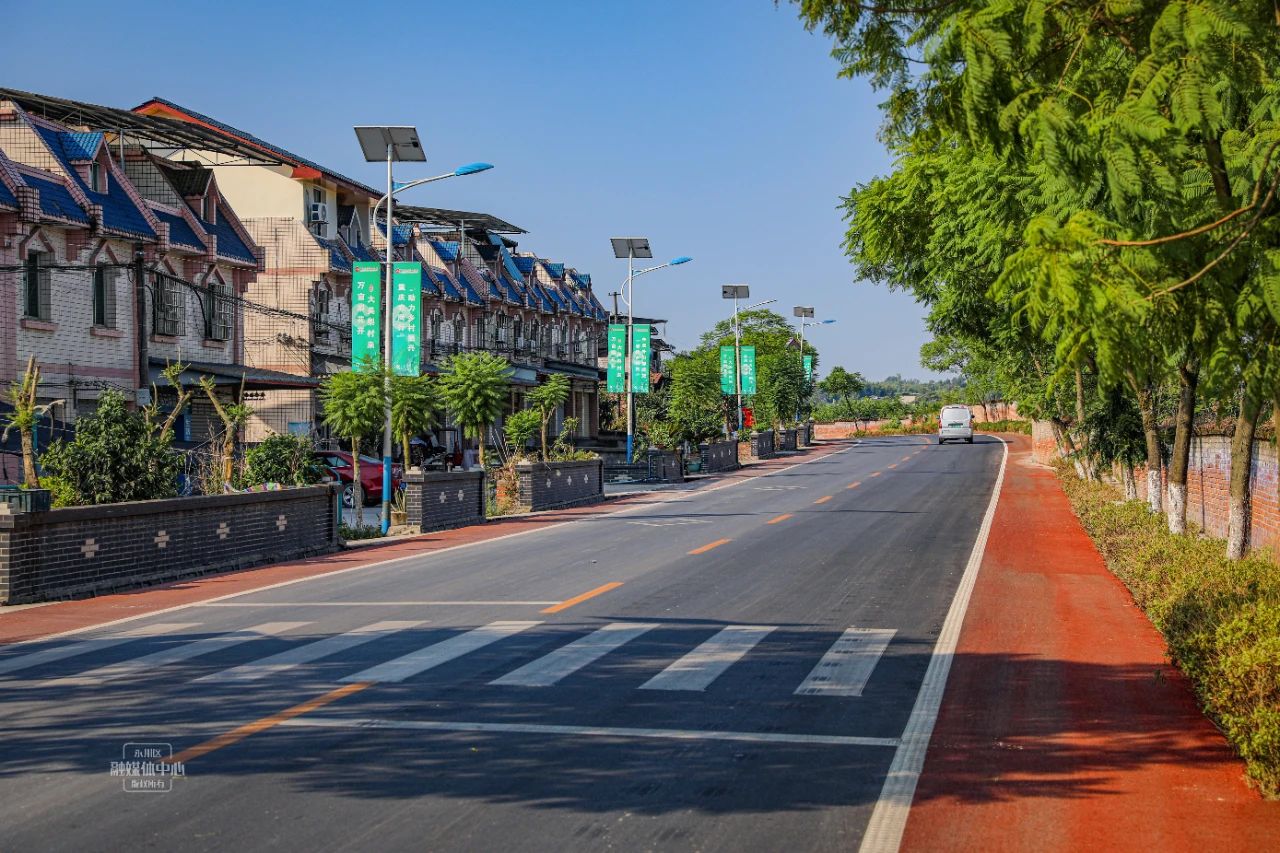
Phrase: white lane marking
(286, 660)
(671, 522)
(175, 654)
(375, 603)
(889, 817)
(566, 660)
(589, 731)
(17, 662)
(637, 507)
(428, 657)
(706, 663)
(845, 668)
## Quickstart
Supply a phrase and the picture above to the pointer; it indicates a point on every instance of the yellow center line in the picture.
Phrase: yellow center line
(907, 458)
(782, 517)
(876, 474)
(241, 732)
(705, 548)
(854, 485)
(893, 465)
(823, 500)
(578, 599)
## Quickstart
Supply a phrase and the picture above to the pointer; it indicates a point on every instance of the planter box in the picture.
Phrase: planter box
(25, 500)
(786, 439)
(439, 500)
(666, 466)
(762, 445)
(93, 549)
(719, 455)
(547, 485)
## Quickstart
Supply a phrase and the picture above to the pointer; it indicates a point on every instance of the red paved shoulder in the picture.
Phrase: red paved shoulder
(1063, 726)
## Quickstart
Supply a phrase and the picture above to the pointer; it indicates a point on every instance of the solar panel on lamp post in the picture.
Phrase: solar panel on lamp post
(736, 292)
(632, 248)
(806, 312)
(395, 143)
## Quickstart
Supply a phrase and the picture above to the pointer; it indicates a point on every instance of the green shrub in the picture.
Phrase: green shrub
(1023, 427)
(1221, 619)
(284, 459)
(60, 492)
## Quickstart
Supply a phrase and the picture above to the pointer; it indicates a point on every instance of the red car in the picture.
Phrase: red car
(339, 462)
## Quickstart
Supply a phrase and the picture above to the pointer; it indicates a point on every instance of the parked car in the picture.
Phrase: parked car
(955, 422)
(339, 463)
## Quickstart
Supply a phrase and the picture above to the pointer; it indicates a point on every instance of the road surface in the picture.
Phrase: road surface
(731, 669)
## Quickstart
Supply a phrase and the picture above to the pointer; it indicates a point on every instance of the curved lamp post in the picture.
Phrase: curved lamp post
(806, 313)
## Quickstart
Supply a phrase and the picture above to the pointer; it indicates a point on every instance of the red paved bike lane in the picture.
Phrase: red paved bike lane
(1063, 726)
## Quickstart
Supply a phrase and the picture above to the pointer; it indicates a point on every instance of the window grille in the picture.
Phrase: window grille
(104, 297)
(169, 312)
(37, 284)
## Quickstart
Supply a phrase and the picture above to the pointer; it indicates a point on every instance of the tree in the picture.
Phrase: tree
(520, 427)
(24, 418)
(415, 406)
(233, 417)
(840, 384)
(354, 407)
(284, 459)
(697, 410)
(546, 398)
(474, 388)
(115, 456)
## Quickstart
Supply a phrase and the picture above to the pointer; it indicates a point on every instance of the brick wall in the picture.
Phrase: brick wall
(88, 550)
(666, 466)
(804, 435)
(719, 456)
(436, 500)
(544, 485)
(785, 439)
(762, 445)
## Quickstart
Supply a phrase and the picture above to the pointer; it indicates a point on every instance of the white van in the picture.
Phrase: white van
(955, 422)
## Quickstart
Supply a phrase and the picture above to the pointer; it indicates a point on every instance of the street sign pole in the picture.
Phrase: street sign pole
(737, 358)
(631, 298)
(386, 361)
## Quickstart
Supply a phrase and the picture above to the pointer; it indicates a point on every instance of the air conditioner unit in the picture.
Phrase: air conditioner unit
(319, 212)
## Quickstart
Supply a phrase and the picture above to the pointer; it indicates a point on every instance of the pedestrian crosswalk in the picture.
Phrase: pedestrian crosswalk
(356, 656)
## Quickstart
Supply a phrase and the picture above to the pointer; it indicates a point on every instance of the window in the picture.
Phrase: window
(517, 330)
(457, 329)
(36, 287)
(479, 336)
(208, 210)
(169, 316)
(502, 328)
(437, 322)
(217, 311)
(322, 298)
(104, 297)
(95, 175)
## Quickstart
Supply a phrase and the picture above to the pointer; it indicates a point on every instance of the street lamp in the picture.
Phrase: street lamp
(395, 143)
(806, 312)
(632, 248)
(736, 292)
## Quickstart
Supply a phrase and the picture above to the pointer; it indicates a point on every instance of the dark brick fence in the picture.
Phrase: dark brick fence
(786, 439)
(438, 500)
(545, 485)
(93, 549)
(718, 456)
(762, 444)
(666, 466)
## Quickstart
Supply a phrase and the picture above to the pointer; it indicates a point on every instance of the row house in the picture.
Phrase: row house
(114, 263)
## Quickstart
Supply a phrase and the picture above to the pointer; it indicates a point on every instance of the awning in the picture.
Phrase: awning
(581, 371)
(254, 378)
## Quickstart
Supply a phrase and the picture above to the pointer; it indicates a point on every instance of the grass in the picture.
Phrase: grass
(1221, 619)
(360, 531)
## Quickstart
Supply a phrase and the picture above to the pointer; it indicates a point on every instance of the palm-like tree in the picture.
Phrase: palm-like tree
(353, 407)
(546, 398)
(26, 414)
(474, 387)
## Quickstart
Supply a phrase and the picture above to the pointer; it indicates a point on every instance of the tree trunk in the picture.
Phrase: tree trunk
(404, 449)
(1147, 404)
(480, 436)
(545, 421)
(357, 493)
(29, 478)
(1241, 473)
(1188, 379)
(1130, 483)
(1086, 461)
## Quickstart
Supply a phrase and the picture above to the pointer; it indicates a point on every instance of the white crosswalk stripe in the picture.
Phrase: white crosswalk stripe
(706, 663)
(175, 654)
(566, 660)
(291, 658)
(57, 653)
(440, 653)
(845, 668)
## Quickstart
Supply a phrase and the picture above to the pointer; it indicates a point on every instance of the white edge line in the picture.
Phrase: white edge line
(421, 556)
(590, 731)
(889, 818)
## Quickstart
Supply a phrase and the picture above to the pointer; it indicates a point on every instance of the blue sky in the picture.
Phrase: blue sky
(717, 129)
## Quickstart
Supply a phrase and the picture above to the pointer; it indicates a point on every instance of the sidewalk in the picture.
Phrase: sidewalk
(24, 623)
(1063, 726)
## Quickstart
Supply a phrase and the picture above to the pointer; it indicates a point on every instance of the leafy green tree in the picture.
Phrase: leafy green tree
(354, 407)
(415, 408)
(697, 410)
(115, 456)
(520, 427)
(545, 399)
(781, 383)
(25, 416)
(840, 384)
(474, 388)
(286, 459)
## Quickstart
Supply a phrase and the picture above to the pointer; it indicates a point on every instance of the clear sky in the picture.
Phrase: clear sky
(716, 129)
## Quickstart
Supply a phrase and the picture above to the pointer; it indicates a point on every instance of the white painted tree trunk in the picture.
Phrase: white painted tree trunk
(1177, 508)
(1130, 483)
(1237, 527)
(1153, 492)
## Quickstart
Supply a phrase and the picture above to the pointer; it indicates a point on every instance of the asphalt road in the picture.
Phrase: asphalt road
(738, 681)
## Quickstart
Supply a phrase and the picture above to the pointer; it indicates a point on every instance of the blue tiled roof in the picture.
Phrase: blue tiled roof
(56, 200)
(229, 243)
(7, 198)
(364, 253)
(274, 149)
(179, 231)
(541, 294)
(445, 282)
(337, 258)
(494, 291)
(119, 213)
(525, 264)
(513, 286)
(447, 249)
(556, 270)
(472, 296)
(399, 234)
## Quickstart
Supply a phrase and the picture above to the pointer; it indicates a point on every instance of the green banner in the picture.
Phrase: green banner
(748, 370)
(728, 372)
(366, 313)
(808, 368)
(617, 374)
(406, 318)
(640, 346)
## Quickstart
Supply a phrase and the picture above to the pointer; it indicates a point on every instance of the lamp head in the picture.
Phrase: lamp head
(683, 259)
(471, 169)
